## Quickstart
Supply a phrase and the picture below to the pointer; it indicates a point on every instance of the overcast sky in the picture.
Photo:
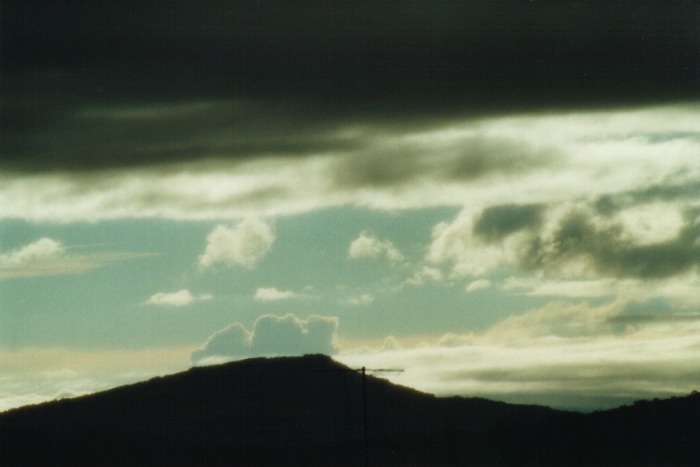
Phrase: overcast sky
(500, 197)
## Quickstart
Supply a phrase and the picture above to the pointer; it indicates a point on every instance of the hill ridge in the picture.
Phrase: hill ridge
(309, 411)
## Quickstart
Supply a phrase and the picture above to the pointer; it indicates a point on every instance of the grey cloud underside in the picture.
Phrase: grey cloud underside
(86, 137)
(597, 376)
(368, 152)
(305, 68)
(497, 222)
(395, 164)
(687, 190)
(609, 252)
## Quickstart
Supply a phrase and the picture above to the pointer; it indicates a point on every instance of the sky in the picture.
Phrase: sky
(502, 198)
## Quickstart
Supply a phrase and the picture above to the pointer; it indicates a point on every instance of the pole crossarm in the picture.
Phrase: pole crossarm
(361, 370)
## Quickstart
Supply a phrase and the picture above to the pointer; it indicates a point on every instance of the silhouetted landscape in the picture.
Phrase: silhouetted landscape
(309, 411)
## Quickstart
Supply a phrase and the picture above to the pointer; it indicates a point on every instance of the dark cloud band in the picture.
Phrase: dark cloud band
(324, 63)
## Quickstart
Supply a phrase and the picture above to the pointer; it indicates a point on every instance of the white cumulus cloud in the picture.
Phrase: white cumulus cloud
(425, 275)
(367, 245)
(271, 335)
(242, 245)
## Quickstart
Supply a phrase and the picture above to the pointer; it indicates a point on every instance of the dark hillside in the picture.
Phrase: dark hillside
(309, 411)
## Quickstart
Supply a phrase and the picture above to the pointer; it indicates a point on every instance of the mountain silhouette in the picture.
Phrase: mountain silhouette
(310, 411)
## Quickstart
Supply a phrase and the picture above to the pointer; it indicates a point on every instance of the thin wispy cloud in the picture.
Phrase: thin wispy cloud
(362, 300)
(564, 355)
(479, 284)
(425, 275)
(49, 257)
(272, 294)
(180, 298)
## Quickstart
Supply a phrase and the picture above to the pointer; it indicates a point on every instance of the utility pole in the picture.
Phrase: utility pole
(364, 371)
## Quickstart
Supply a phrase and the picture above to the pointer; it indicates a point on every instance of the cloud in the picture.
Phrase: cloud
(573, 240)
(497, 222)
(362, 300)
(454, 242)
(37, 374)
(613, 247)
(574, 288)
(44, 249)
(272, 294)
(271, 335)
(397, 161)
(454, 160)
(479, 284)
(368, 246)
(410, 63)
(230, 343)
(243, 245)
(568, 355)
(48, 257)
(180, 298)
(424, 275)
(559, 319)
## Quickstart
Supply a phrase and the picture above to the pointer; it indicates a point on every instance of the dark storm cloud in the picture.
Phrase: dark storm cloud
(364, 42)
(497, 222)
(382, 61)
(94, 138)
(609, 251)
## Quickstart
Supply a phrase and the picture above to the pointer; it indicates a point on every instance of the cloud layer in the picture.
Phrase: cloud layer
(361, 58)
(271, 335)
(569, 355)
(387, 164)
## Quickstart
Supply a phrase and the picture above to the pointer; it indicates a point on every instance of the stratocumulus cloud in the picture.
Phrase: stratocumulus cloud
(243, 245)
(563, 157)
(573, 240)
(271, 335)
(575, 356)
